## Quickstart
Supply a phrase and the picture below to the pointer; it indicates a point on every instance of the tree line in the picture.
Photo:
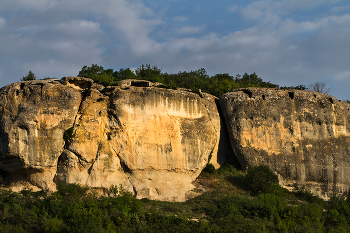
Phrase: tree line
(197, 80)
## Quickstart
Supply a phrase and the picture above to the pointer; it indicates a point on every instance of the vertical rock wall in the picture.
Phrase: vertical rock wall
(302, 135)
(153, 141)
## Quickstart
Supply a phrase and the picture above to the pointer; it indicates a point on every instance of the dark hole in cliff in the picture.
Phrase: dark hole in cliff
(291, 95)
(139, 83)
(4, 177)
(263, 97)
(249, 93)
(315, 96)
(22, 86)
(331, 100)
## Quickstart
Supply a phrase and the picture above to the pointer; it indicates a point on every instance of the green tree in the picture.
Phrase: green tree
(124, 74)
(221, 84)
(153, 74)
(260, 178)
(97, 73)
(252, 80)
(29, 76)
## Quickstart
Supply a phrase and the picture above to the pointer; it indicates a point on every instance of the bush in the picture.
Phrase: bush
(209, 169)
(85, 93)
(260, 179)
(68, 134)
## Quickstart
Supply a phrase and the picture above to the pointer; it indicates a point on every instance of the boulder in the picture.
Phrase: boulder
(152, 141)
(303, 136)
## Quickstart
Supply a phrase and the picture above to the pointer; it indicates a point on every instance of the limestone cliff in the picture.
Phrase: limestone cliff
(153, 141)
(304, 136)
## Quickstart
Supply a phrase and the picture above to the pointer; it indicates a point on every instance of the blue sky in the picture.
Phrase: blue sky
(286, 42)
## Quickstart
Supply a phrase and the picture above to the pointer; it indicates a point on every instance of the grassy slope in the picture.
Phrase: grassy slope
(229, 206)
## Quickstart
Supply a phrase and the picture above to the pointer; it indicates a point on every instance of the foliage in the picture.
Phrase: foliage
(97, 73)
(29, 76)
(252, 80)
(124, 74)
(261, 178)
(86, 92)
(319, 87)
(227, 208)
(68, 134)
(209, 168)
(197, 81)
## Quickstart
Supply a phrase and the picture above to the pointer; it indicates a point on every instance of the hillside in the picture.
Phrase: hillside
(229, 205)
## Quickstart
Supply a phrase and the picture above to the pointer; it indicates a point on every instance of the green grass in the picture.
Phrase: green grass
(230, 206)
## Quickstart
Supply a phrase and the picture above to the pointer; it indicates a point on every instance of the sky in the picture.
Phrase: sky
(286, 42)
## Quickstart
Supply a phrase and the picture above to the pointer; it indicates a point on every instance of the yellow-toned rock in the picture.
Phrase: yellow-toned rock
(34, 115)
(152, 141)
(302, 135)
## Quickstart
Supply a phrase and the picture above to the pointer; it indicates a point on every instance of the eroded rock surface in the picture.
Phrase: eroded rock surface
(153, 141)
(302, 135)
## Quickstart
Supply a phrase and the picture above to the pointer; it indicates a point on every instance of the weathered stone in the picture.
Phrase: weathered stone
(302, 135)
(34, 115)
(163, 139)
(153, 141)
(77, 82)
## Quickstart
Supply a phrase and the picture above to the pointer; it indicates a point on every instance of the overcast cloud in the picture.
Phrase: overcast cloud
(285, 42)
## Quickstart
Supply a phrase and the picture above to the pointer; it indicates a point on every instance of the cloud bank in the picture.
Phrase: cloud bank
(285, 42)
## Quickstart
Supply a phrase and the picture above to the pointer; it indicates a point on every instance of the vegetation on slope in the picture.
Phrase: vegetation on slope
(232, 205)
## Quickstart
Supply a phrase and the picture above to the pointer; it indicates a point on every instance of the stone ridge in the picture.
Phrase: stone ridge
(302, 135)
(153, 141)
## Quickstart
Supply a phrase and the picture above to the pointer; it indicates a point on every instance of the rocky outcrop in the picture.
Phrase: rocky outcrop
(153, 141)
(304, 136)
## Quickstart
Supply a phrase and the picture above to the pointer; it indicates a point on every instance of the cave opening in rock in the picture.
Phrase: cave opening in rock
(291, 95)
(4, 177)
(249, 93)
(139, 83)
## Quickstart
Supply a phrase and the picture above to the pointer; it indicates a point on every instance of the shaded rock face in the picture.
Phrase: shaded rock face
(302, 135)
(153, 141)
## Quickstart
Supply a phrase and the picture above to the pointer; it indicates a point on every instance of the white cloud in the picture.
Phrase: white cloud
(307, 4)
(188, 30)
(180, 18)
(337, 9)
(232, 9)
(2, 22)
(56, 38)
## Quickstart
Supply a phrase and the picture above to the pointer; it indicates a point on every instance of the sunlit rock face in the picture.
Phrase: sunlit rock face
(153, 141)
(302, 135)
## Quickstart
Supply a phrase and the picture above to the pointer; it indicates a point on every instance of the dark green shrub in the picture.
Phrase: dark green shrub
(86, 92)
(260, 179)
(68, 134)
(306, 195)
(72, 190)
(209, 169)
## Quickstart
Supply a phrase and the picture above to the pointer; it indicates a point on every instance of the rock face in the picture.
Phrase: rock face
(153, 141)
(304, 136)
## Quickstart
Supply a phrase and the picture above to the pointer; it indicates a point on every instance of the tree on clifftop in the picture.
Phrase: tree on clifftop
(319, 87)
(29, 76)
(97, 73)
